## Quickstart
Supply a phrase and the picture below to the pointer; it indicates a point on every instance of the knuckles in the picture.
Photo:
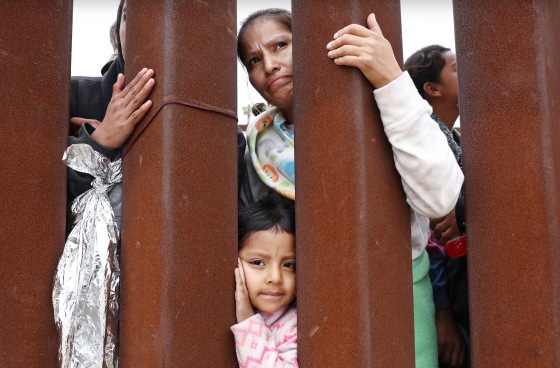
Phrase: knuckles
(353, 27)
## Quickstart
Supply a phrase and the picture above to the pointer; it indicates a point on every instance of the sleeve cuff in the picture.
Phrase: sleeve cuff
(255, 318)
(85, 137)
(398, 101)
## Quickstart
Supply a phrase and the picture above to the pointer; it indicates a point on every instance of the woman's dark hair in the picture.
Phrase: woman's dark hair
(282, 16)
(425, 66)
(273, 212)
(113, 36)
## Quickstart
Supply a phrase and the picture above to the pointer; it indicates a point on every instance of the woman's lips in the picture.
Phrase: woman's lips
(278, 80)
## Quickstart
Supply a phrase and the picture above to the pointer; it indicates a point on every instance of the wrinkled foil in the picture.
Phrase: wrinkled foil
(86, 283)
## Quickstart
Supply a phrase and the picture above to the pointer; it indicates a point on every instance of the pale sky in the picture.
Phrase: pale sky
(424, 22)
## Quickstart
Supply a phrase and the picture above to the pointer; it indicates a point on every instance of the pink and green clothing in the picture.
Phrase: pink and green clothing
(267, 340)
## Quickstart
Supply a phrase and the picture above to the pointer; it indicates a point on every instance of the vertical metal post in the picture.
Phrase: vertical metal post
(354, 280)
(508, 58)
(179, 230)
(35, 41)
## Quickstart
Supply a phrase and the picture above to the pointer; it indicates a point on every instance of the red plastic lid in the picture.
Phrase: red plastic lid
(456, 247)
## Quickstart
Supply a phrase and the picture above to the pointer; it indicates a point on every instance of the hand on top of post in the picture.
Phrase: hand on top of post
(126, 109)
(367, 50)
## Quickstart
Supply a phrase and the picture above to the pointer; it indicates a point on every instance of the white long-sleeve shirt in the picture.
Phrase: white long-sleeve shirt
(429, 172)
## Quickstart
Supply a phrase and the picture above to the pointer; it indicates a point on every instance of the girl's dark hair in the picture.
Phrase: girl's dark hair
(274, 212)
(425, 66)
(282, 16)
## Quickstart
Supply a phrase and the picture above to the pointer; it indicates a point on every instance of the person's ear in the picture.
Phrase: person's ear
(432, 89)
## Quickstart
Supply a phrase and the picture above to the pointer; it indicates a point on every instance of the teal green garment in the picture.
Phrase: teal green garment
(425, 338)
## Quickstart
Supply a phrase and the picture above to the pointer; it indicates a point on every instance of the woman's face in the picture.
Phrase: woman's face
(122, 29)
(267, 55)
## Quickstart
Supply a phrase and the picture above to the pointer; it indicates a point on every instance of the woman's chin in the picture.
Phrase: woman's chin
(285, 102)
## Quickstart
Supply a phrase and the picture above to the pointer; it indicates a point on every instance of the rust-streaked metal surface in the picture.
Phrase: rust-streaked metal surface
(353, 240)
(508, 59)
(179, 224)
(35, 41)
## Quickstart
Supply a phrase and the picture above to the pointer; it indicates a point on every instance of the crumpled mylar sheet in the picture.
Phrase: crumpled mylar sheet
(86, 283)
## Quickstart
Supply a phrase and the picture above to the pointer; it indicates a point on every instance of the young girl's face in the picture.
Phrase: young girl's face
(269, 264)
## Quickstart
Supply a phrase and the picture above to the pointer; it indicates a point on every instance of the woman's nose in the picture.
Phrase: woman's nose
(270, 64)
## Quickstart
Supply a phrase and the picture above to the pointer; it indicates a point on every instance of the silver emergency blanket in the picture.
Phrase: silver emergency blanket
(86, 284)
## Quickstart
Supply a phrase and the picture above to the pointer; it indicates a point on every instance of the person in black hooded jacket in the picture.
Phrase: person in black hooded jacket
(107, 113)
(90, 96)
(94, 100)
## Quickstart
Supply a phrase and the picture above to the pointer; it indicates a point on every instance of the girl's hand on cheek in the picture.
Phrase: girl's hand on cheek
(243, 307)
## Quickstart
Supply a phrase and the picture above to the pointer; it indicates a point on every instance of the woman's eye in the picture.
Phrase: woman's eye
(257, 263)
(290, 265)
(279, 45)
(253, 61)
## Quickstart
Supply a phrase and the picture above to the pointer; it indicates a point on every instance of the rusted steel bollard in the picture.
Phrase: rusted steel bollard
(179, 231)
(35, 41)
(508, 59)
(354, 280)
